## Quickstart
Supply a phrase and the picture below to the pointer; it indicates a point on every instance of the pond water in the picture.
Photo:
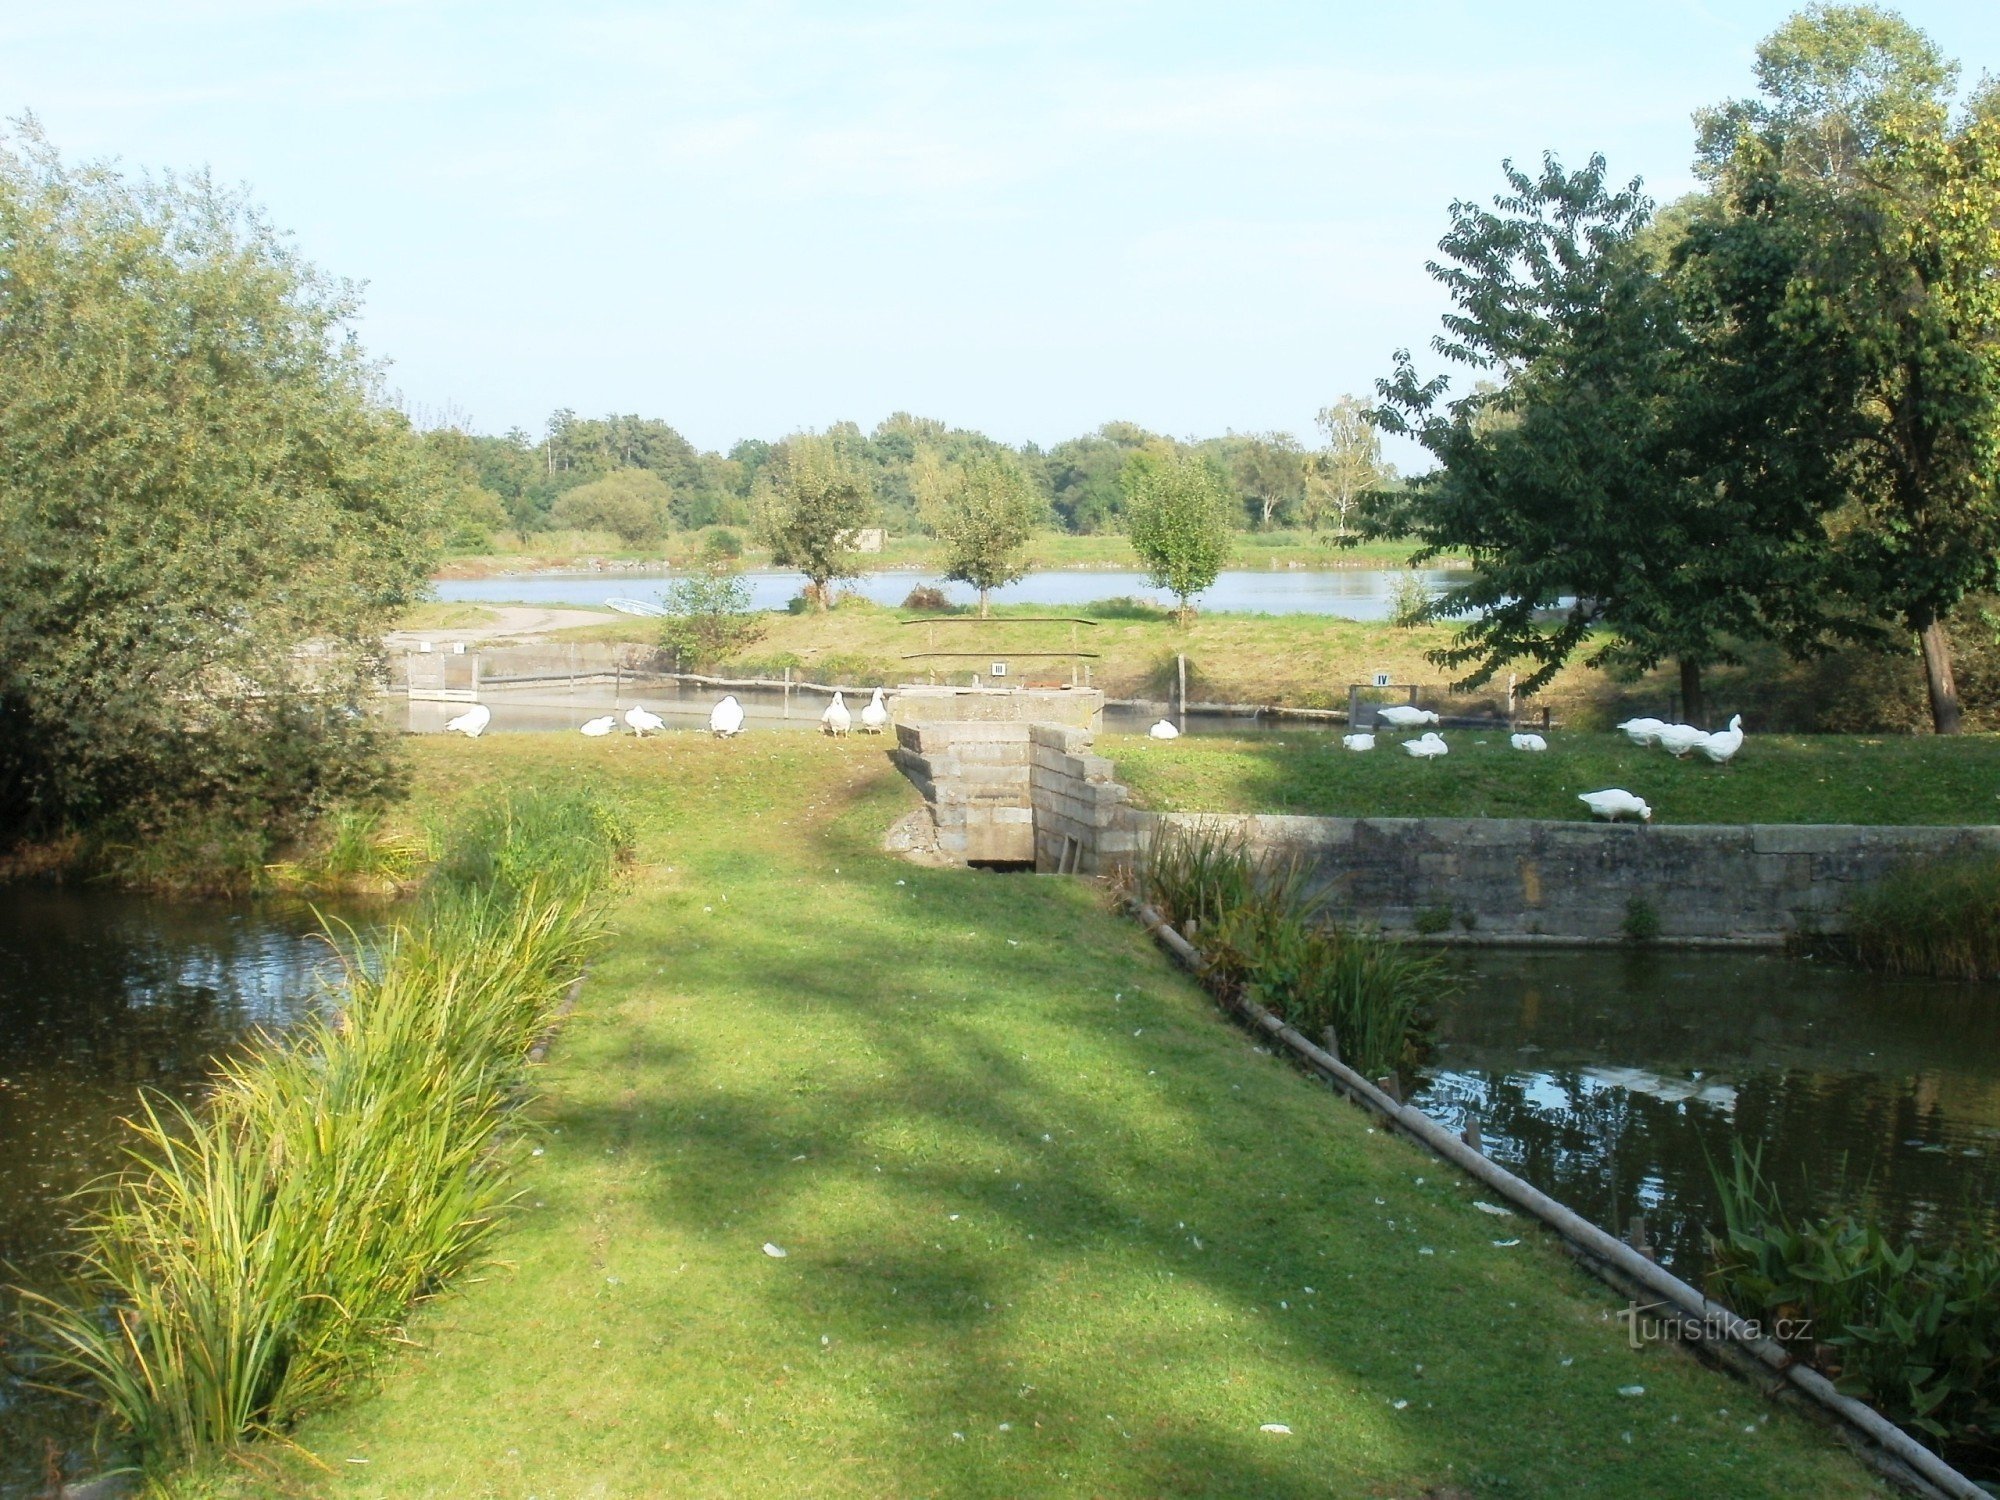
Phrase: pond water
(102, 995)
(1610, 1080)
(1350, 593)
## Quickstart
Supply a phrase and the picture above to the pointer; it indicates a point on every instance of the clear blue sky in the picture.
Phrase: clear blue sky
(1024, 217)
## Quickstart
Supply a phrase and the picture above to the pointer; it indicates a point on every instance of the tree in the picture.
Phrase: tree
(813, 495)
(709, 616)
(1178, 513)
(629, 503)
(1887, 215)
(1583, 488)
(1270, 470)
(1346, 468)
(208, 515)
(984, 509)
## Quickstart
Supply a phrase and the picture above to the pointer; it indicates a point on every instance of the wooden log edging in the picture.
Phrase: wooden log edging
(539, 1052)
(1892, 1451)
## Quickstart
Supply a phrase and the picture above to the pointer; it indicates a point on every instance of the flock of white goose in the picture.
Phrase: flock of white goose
(725, 720)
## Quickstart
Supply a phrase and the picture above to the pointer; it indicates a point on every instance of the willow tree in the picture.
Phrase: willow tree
(984, 509)
(207, 516)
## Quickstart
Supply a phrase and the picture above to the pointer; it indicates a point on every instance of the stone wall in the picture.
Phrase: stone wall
(1083, 822)
(921, 703)
(1519, 878)
(975, 779)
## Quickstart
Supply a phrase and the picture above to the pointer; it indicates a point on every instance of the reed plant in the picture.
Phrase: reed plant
(1259, 925)
(1939, 918)
(261, 1248)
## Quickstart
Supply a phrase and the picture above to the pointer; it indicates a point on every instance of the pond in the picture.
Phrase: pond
(1350, 593)
(1611, 1079)
(102, 995)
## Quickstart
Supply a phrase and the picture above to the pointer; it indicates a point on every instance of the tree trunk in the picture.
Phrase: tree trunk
(1693, 710)
(1937, 676)
(982, 602)
(1184, 612)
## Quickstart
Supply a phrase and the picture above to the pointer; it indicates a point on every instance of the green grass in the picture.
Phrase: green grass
(1934, 917)
(1050, 1222)
(1775, 779)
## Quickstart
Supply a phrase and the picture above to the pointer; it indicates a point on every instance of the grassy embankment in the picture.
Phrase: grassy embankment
(1051, 549)
(1775, 779)
(1050, 1225)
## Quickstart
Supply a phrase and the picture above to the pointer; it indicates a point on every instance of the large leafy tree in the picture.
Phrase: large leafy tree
(1581, 483)
(984, 509)
(207, 516)
(1345, 468)
(632, 504)
(1179, 513)
(1884, 211)
(814, 493)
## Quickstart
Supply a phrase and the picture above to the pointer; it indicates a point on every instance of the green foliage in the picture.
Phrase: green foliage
(1126, 607)
(1179, 515)
(1431, 920)
(1257, 924)
(1937, 917)
(1346, 468)
(709, 618)
(928, 600)
(351, 852)
(1912, 1329)
(813, 495)
(1409, 601)
(983, 510)
(629, 503)
(258, 1251)
(207, 516)
(720, 546)
(1642, 920)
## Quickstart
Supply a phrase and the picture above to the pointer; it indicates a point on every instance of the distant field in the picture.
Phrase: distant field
(1775, 779)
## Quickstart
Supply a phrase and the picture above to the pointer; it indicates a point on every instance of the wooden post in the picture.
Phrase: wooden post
(1470, 1135)
(1180, 658)
(788, 692)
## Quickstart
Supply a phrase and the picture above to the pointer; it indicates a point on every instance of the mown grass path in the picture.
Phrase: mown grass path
(1051, 1226)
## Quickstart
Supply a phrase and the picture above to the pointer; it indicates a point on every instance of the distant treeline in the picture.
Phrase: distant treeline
(638, 477)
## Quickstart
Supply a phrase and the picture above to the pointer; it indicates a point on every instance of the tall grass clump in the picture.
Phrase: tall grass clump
(1261, 933)
(1939, 918)
(1912, 1329)
(259, 1249)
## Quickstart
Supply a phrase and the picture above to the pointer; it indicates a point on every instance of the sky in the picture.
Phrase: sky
(753, 218)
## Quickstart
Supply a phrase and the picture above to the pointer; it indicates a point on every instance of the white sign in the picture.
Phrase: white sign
(1381, 679)
(999, 669)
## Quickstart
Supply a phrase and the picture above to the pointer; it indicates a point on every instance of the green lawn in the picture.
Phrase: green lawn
(1775, 778)
(1051, 1226)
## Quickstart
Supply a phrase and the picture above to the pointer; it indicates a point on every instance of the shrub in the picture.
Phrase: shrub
(709, 618)
(1642, 922)
(1409, 602)
(630, 503)
(1933, 917)
(1432, 920)
(1914, 1330)
(1127, 607)
(720, 545)
(927, 599)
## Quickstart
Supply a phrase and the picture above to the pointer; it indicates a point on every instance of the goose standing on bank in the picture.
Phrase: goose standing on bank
(837, 720)
(726, 718)
(1615, 803)
(472, 723)
(875, 716)
(1427, 747)
(1164, 730)
(1724, 743)
(1643, 732)
(596, 727)
(1358, 741)
(1678, 739)
(1405, 716)
(1527, 742)
(641, 721)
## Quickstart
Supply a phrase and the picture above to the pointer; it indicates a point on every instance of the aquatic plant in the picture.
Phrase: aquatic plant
(261, 1248)
(1912, 1329)
(1939, 918)
(1259, 926)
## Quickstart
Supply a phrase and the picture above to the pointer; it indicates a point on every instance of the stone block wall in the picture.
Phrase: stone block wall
(1083, 819)
(1522, 878)
(974, 776)
(919, 704)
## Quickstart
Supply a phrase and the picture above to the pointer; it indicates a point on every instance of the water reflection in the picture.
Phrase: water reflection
(1611, 1080)
(101, 995)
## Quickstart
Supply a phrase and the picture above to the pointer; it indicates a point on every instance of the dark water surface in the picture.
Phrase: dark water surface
(1609, 1079)
(102, 995)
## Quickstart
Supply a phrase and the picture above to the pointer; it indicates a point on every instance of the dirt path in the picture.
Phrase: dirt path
(511, 622)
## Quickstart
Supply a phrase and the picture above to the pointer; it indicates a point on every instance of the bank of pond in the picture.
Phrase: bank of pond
(1613, 1080)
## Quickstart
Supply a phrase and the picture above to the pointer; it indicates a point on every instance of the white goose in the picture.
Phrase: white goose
(1678, 739)
(726, 718)
(472, 723)
(596, 727)
(875, 717)
(640, 720)
(1527, 742)
(1643, 731)
(1430, 745)
(1164, 730)
(1724, 743)
(836, 720)
(1358, 741)
(1405, 716)
(1615, 803)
